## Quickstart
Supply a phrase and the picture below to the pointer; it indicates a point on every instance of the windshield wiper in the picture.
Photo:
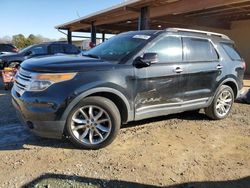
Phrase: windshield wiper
(92, 56)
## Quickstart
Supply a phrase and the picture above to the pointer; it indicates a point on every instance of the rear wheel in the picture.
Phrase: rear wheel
(93, 123)
(222, 103)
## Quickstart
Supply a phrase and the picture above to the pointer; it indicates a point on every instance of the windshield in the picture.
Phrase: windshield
(118, 47)
(25, 49)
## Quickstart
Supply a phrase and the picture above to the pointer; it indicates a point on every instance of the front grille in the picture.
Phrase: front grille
(22, 81)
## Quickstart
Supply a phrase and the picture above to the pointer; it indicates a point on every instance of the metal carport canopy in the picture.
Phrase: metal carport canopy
(161, 13)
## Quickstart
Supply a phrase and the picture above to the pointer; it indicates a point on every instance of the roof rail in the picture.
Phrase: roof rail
(198, 31)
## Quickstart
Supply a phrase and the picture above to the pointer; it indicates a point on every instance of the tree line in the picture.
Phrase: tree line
(20, 41)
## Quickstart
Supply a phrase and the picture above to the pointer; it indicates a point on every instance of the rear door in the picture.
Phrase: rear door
(203, 70)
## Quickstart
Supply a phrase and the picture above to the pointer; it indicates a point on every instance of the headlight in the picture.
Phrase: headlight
(41, 82)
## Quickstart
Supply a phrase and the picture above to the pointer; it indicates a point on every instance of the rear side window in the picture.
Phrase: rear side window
(231, 51)
(168, 48)
(196, 49)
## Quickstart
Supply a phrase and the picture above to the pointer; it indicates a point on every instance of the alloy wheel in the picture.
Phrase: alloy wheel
(91, 125)
(224, 103)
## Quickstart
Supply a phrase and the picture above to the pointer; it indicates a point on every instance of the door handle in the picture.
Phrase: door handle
(178, 70)
(219, 67)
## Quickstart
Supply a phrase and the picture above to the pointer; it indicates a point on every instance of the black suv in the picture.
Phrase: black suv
(36, 50)
(132, 76)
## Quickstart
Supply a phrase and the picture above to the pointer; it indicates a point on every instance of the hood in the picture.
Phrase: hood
(63, 63)
(9, 55)
(1, 53)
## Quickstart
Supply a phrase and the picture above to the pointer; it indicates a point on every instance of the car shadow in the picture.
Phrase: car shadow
(17, 136)
(59, 180)
(189, 115)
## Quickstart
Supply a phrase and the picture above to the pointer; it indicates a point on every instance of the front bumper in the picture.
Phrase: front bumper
(39, 119)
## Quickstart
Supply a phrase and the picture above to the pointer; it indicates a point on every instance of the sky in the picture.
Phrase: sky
(41, 16)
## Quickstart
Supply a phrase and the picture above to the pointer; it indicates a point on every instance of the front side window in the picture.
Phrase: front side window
(196, 49)
(39, 50)
(168, 48)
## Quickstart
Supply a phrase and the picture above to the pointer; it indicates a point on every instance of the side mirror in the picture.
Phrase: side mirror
(146, 60)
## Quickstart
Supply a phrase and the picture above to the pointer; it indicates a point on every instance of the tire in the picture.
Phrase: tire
(215, 110)
(100, 123)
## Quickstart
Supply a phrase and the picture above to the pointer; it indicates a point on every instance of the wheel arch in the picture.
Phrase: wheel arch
(12, 61)
(233, 84)
(114, 95)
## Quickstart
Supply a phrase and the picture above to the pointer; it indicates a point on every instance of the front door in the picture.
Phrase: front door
(160, 87)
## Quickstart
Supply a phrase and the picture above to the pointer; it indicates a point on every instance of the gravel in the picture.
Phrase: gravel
(181, 150)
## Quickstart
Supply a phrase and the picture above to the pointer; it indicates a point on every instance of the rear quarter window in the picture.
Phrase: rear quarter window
(231, 51)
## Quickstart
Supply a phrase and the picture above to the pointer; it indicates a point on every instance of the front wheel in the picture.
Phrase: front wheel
(93, 123)
(222, 103)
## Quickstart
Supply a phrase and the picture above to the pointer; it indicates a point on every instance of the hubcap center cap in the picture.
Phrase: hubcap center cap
(92, 123)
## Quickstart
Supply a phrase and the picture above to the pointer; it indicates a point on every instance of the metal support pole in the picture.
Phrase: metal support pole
(93, 33)
(144, 19)
(69, 37)
(103, 37)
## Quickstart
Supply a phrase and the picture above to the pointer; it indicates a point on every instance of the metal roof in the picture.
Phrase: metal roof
(121, 5)
(163, 14)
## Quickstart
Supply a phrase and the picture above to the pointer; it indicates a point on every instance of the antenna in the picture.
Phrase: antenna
(77, 13)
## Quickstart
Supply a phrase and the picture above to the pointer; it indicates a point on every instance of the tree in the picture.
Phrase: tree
(32, 39)
(19, 41)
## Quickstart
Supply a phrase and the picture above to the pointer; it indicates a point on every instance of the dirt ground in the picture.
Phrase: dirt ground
(184, 150)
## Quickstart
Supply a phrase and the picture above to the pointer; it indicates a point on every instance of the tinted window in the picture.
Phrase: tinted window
(6, 48)
(2, 48)
(70, 49)
(39, 50)
(169, 49)
(56, 48)
(199, 50)
(231, 51)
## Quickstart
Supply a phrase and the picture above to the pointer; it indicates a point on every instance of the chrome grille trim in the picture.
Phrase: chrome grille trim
(22, 81)
(24, 77)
